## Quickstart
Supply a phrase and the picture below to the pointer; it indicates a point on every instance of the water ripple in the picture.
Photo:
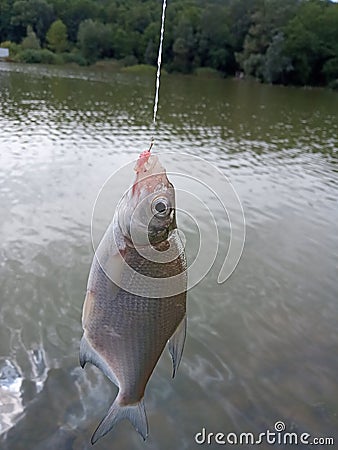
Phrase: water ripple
(257, 345)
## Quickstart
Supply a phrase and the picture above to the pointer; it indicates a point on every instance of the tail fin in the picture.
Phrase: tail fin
(136, 414)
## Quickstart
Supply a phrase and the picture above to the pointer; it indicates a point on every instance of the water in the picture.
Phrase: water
(260, 348)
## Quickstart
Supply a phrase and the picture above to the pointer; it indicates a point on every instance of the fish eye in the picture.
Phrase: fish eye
(160, 207)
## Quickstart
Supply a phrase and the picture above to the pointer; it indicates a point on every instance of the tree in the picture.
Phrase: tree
(276, 64)
(150, 39)
(240, 18)
(289, 41)
(311, 40)
(150, 53)
(330, 70)
(36, 13)
(94, 40)
(267, 20)
(57, 36)
(138, 18)
(5, 20)
(73, 12)
(31, 41)
(122, 43)
(214, 42)
(183, 47)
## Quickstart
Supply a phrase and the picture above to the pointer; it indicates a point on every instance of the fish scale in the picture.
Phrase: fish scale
(129, 316)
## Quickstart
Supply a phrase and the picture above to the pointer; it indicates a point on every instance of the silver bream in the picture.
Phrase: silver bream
(136, 294)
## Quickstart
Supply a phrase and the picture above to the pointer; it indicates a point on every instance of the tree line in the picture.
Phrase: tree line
(285, 42)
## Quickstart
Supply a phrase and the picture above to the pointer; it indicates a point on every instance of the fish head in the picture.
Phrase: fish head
(147, 211)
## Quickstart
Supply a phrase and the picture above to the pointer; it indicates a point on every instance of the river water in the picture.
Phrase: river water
(261, 348)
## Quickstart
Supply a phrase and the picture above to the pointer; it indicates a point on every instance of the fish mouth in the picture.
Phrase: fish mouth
(142, 161)
(149, 173)
(148, 164)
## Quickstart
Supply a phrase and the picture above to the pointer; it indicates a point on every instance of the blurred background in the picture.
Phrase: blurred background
(293, 42)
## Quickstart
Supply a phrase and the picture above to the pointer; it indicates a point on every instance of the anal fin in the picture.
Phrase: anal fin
(176, 344)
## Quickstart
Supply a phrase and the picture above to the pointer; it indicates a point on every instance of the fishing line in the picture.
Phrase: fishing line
(158, 73)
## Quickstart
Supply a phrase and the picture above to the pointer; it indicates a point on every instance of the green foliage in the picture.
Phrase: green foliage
(94, 40)
(214, 39)
(264, 42)
(43, 56)
(183, 46)
(150, 54)
(35, 13)
(73, 12)
(311, 40)
(289, 41)
(31, 41)
(253, 65)
(140, 69)
(330, 70)
(276, 64)
(75, 58)
(129, 61)
(12, 47)
(5, 20)
(207, 72)
(57, 36)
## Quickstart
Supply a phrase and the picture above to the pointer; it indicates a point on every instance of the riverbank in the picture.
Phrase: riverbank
(114, 65)
(106, 65)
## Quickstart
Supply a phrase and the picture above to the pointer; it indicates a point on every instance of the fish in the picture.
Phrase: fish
(135, 302)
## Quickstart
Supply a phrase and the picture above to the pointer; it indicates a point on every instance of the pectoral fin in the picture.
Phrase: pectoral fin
(176, 344)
